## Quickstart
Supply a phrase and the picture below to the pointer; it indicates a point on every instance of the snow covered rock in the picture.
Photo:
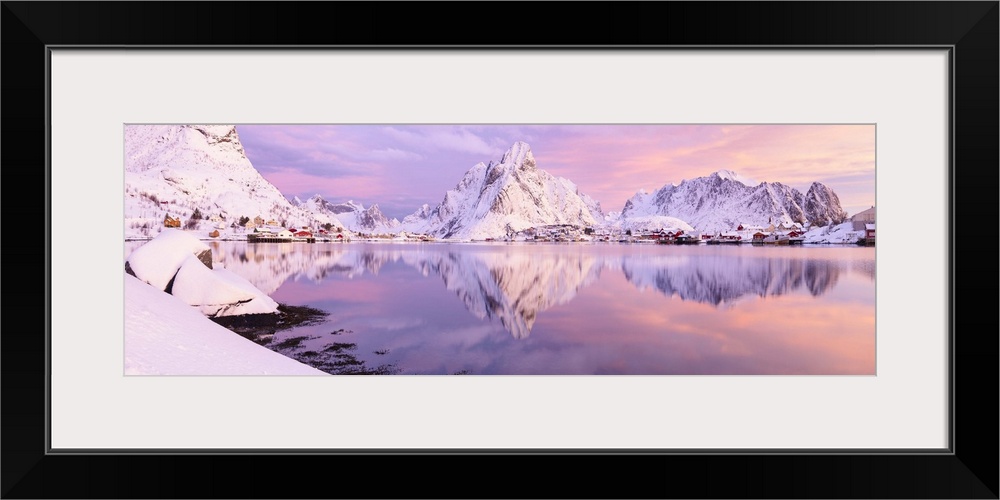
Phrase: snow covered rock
(180, 264)
(219, 292)
(157, 262)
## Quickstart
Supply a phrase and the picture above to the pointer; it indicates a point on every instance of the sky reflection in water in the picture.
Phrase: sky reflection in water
(534, 309)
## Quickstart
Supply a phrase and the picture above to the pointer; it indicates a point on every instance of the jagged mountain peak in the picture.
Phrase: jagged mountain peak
(732, 176)
(519, 154)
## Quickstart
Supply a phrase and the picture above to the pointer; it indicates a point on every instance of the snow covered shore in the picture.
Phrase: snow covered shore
(171, 290)
(165, 336)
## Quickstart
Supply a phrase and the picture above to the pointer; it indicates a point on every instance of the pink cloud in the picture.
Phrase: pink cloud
(418, 163)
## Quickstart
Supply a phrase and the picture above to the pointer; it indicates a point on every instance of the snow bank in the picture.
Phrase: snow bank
(165, 336)
(178, 256)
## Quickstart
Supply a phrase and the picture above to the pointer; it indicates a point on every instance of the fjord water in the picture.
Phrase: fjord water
(562, 309)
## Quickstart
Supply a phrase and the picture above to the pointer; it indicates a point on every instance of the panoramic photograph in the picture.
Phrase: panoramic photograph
(405, 249)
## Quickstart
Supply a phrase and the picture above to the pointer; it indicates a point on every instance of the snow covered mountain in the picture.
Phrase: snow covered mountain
(178, 169)
(723, 200)
(419, 217)
(496, 199)
(353, 216)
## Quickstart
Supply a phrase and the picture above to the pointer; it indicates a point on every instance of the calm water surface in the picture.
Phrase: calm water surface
(534, 309)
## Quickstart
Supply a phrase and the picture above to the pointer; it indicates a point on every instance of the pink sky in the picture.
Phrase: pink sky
(401, 167)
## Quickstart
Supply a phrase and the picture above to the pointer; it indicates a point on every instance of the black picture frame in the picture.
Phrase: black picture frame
(968, 470)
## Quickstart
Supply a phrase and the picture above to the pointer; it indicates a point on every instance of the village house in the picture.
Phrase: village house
(258, 221)
(169, 221)
(870, 234)
(746, 231)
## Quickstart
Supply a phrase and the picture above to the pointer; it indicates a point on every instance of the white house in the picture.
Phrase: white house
(866, 216)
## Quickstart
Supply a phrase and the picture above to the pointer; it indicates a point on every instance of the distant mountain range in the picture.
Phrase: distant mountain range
(353, 216)
(722, 201)
(176, 169)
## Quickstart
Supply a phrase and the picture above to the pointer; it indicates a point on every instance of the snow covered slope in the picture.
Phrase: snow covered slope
(834, 234)
(175, 169)
(722, 201)
(165, 336)
(495, 199)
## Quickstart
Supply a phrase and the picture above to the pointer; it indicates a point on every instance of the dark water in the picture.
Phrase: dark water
(537, 309)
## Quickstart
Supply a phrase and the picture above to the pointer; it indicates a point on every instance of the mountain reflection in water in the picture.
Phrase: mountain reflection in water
(505, 283)
(582, 308)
